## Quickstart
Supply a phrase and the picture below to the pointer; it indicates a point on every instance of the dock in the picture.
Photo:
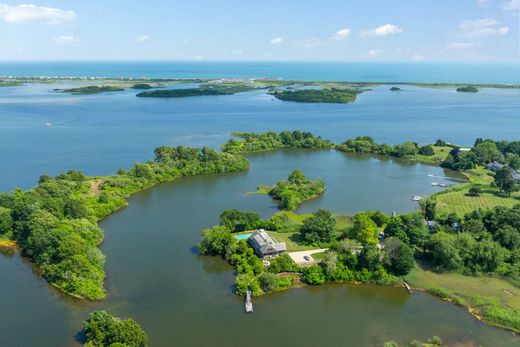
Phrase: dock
(408, 288)
(249, 303)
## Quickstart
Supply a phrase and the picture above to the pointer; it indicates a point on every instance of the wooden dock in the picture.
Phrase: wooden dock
(249, 303)
(408, 288)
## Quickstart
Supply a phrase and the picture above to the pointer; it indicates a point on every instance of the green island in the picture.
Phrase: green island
(55, 224)
(102, 329)
(142, 86)
(270, 141)
(91, 89)
(465, 249)
(293, 191)
(179, 93)
(395, 89)
(468, 89)
(332, 95)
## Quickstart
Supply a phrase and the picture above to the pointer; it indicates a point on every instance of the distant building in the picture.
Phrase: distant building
(265, 246)
(516, 176)
(431, 225)
(495, 166)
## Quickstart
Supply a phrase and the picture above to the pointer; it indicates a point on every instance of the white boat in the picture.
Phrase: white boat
(416, 198)
(48, 124)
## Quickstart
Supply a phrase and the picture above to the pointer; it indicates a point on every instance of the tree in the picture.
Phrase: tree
(369, 258)
(329, 264)
(427, 150)
(268, 281)
(319, 227)
(440, 143)
(504, 180)
(444, 253)
(429, 208)
(6, 221)
(406, 148)
(297, 177)
(398, 256)
(102, 329)
(215, 241)
(314, 275)
(365, 229)
(475, 190)
(236, 220)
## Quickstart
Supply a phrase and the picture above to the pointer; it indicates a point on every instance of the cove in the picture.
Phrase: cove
(155, 276)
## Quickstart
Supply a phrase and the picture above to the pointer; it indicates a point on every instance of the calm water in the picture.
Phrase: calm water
(100, 133)
(153, 273)
(184, 299)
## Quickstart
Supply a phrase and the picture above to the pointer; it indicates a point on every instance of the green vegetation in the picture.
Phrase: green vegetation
(55, 224)
(395, 89)
(270, 141)
(92, 89)
(348, 258)
(179, 93)
(491, 299)
(468, 89)
(333, 95)
(141, 86)
(295, 190)
(104, 330)
(428, 154)
(433, 342)
(10, 83)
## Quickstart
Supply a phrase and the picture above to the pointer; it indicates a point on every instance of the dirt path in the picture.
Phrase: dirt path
(94, 187)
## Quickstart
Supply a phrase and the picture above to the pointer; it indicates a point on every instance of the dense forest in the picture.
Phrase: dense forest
(55, 223)
(92, 89)
(332, 95)
(270, 141)
(102, 329)
(295, 190)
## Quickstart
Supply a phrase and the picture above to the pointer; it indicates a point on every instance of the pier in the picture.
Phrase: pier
(249, 303)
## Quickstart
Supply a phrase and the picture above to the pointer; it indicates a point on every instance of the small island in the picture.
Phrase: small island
(91, 89)
(293, 191)
(332, 95)
(102, 329)
(180, 93)
(395, 89)
(141, 86)
(467, 89)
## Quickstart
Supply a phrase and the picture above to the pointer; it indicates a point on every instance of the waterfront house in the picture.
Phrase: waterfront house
(265, 246)
(431, 225)
(495, 166)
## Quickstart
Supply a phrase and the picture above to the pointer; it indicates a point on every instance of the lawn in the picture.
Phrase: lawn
(458, 200)
(479, 175)
(441, 153)
(293, 241)
(494, 300)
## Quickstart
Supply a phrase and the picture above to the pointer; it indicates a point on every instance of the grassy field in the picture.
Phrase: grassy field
(490, 299)
(479, 176)
(441, 153)
(458, 200)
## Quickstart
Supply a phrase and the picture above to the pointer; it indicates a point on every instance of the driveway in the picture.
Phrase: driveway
(298, 256)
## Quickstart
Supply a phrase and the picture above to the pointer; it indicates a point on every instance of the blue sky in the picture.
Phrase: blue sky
(368, 30)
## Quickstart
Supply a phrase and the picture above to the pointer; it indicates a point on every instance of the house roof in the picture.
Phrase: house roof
(264, 244)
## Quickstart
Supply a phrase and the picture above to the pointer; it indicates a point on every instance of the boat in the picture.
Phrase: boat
(416, 198)
(48, 124)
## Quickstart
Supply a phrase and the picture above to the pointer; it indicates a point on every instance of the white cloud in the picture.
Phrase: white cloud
(144, 39)
(276, 41)
(65, 40)
(32, 13)
(512, 5)
(342, 34)
(482, 28)
(417, 57)
(374, 52)
(383, 30)
(462, 45)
